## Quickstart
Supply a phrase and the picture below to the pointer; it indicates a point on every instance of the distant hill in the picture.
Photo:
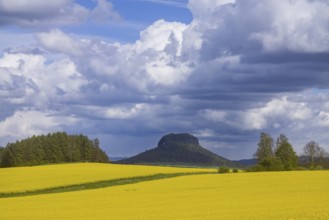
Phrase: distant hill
(52, 148)
(246, 162)
(117, 158)
(179, 149)
(305, 161)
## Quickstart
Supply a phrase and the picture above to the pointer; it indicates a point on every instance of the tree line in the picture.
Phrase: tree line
(56, 147)
(282, 156)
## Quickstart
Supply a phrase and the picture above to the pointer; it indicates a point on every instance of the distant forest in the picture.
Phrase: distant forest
(52, 148)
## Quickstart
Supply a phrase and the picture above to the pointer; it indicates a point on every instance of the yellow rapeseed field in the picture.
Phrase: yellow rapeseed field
(40, 177)
(299, 195)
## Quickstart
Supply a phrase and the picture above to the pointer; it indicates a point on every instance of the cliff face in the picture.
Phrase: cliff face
(170, 141)
(178, 149)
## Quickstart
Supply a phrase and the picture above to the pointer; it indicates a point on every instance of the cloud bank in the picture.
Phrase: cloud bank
(240, 67)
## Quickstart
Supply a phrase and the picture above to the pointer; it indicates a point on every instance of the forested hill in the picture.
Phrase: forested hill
(52, 148)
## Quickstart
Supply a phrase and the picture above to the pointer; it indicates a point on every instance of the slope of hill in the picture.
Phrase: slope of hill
(247, 162)
(305, 161)
(178, 149)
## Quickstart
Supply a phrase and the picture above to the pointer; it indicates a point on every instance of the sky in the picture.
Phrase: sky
(130, 71)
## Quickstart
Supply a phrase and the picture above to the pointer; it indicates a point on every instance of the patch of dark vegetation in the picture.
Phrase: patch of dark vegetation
(223, 169)
(52, 148)
(235, 170)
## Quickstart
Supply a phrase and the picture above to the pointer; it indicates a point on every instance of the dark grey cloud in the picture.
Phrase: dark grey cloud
(283, 57)
(42, 14)
(239, 68)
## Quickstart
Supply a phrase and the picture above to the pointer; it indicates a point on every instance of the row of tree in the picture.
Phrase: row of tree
(52, 148)
(282, 156)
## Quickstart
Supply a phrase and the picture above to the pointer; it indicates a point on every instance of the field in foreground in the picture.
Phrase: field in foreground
(22, 179)
(276, 195)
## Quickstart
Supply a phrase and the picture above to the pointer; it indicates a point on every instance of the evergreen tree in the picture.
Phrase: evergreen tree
(52, 148)
(265, 147)
(285, 152)
(267, 159)
(8, 158)
(1, 152)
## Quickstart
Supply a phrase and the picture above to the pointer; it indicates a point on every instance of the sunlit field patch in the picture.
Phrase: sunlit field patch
(277, 195)
(41, 177)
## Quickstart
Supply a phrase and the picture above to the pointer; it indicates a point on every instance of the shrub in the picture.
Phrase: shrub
(300, 168)
(235, 170)
(272, 164)
(256, 168)
(318, 167)
(223, 169)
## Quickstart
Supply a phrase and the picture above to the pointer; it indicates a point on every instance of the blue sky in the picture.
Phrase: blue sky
(135, 15)
(131, 71)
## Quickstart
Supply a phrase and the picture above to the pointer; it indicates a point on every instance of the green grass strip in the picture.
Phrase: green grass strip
(96, 185)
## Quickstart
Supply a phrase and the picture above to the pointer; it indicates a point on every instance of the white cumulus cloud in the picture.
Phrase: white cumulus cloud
(238, 68)
(26, 123)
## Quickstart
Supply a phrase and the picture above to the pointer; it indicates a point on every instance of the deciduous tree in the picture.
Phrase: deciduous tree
(310, 150)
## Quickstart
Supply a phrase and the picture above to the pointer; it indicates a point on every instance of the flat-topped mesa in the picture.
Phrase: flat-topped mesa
(171, 140)
(178, 149)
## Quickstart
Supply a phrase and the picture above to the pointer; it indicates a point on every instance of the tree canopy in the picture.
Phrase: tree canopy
(52, 148)
(265, 147)
(315, 153)
(286, 153)
(283, 157)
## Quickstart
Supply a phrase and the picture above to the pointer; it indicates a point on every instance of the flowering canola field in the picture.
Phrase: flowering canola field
(277, 195)
(40, 177)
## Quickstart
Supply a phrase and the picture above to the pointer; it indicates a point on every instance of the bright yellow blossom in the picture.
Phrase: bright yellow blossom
(301, 195)
(41, 177)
